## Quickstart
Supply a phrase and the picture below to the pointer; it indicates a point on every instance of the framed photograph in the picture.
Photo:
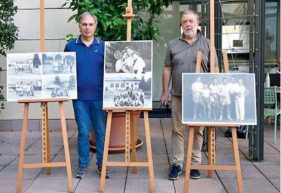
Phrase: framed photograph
(219, 99)
(128, 75)
(41, 75)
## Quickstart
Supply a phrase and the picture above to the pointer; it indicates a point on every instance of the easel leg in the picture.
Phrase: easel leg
(22, 147)
(105, 151)
(127, 137)
(66, 148)
(188, 159)
(133, 142)
(149, 152)
(211, 149)
(237, 160)
(46, 155)
(48, 141)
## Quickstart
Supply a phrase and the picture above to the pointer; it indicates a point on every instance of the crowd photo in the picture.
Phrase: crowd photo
(129, 97)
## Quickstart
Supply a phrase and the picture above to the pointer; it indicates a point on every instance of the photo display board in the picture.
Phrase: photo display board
(128, 75)
(219, 99)
(41, 75)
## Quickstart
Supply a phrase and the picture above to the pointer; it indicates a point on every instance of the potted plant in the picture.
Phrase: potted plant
(112, 27)
(8, 33)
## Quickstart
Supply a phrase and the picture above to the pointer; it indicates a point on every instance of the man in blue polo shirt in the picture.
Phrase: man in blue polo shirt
(88, 106)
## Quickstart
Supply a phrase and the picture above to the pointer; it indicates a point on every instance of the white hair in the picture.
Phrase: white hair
(85, 14)
(191, 12)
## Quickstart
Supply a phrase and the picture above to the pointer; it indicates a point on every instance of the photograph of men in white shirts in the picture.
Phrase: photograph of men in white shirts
(196, 88)
(241, 93)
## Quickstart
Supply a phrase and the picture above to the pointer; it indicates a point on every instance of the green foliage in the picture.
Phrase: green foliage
(8, 31)
(112, 26)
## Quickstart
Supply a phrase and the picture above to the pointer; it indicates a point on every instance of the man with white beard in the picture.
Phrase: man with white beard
(181, 58)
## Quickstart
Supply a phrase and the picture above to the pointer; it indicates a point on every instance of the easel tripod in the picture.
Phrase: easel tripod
(130, 132)
(212, 144)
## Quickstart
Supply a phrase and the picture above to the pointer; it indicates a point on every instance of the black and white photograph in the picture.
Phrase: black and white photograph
(59, 86)
(128, 75)
(128, 57)
(219, 98)
(22, 64)
(130, 91)
(58, 63)
(41, 75)
(28, 87)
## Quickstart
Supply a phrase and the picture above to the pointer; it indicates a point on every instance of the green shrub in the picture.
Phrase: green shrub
(112, 26)
(8, 33)
(8, 30)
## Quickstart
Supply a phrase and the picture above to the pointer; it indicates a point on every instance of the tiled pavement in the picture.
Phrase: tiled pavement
(263, 177)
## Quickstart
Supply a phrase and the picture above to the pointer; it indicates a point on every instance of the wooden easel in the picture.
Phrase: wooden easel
(46, 155)
(212, 145)
(211, 128)
(130, 132)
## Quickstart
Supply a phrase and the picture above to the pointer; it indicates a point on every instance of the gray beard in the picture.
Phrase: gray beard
(189, 35)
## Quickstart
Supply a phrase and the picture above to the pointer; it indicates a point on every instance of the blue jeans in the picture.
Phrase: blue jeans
(89, 114)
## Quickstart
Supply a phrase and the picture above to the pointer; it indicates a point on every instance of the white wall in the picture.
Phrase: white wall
(27, 20)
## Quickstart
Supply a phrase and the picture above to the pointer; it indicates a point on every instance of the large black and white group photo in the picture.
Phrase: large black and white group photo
(221, 98)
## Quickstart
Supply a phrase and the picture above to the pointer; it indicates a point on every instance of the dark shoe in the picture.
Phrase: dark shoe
(195, 174)
(80, 172)
(107, 173)
(242, 131)
(175, 172)
(228, 133)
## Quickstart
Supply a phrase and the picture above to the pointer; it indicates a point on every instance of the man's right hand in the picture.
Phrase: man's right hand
(165, 81)
(164, 98)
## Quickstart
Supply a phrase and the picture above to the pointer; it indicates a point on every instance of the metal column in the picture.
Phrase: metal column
(256, 142)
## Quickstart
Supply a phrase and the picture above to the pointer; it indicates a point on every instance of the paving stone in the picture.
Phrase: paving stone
(33, 125)
(88, 185)
(7, 159)
(206, 185)
(9, 185)
(270, 158)
(10, 142)
(226, 157)
(111, 186)
(248, 172)
(6, 126)
(11, 172)
(271, 148)
(142, 185)
(160, 172)
(250, 186)
(270, 171)
(276, 183)
(48, 184)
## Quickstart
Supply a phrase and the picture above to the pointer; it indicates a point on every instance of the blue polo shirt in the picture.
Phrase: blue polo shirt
(90, 67)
